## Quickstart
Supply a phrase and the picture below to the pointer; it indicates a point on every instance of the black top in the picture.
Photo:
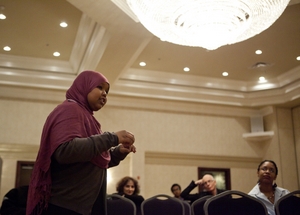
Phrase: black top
(185, 194)
(14, 202)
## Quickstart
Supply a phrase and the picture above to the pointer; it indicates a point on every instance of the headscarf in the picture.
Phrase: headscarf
(65, 123)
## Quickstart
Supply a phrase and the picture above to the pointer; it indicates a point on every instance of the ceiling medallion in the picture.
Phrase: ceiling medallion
(207, 23)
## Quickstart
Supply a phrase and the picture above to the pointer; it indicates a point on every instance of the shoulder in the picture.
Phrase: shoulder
(67, 110)
(282, 190)
(11, 192)
(254, 190)
(220, 191)
(116, 194)
(68, 106)
(141, 197)
(17, 192)
(135, 196)
(203, 193)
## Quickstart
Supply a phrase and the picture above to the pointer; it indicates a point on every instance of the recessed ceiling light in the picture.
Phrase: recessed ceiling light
(262, 79)
(6, 48)
(186, 69)
(298, 58)
(258, 52)
(56, 54)
(2, 16)
(63, 24)
(225, 73)
(142, 64)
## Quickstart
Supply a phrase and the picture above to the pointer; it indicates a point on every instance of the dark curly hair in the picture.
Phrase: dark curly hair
(175, 185)
(123, 181)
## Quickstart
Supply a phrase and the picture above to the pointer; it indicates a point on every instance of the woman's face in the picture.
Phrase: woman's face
(129, 188)
(267, 173)
(97, 97)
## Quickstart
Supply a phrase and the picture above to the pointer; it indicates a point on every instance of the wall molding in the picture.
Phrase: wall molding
(122, 101)
(162, 158)
(20, 151)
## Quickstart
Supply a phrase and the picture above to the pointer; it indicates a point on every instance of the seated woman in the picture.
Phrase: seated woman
(129, 188)
(266, 189)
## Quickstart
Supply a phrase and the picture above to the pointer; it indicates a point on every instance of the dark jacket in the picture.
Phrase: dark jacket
(185, 194)
(14, 202)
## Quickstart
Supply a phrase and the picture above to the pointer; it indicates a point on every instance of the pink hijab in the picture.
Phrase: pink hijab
(61, 126)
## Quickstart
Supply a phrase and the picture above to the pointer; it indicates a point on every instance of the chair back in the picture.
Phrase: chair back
(198, 205)
(233, 202)
(162, 204)
(288, 204)
(187, 208)
(119, 205)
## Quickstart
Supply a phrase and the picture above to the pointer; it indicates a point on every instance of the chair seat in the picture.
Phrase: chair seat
(198, 205)
(187, 208)
(118, 205)
(234, 202)
(162, 204)
(288, 204)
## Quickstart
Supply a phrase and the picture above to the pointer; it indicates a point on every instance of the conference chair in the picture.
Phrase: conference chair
(198, 205)
(233, 202)
(119, 205)
(288, 204)
(162, 204)
(187, 208)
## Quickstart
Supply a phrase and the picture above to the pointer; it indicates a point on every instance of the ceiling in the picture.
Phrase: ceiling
(104, 35)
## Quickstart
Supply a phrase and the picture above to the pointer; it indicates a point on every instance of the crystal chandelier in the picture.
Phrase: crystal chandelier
(207, 23)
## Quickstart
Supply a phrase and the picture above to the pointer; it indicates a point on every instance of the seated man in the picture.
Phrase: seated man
(176, 190)
(14, 202)
(208, 184)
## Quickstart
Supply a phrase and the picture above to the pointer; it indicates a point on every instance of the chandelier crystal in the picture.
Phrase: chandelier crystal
(207, 23)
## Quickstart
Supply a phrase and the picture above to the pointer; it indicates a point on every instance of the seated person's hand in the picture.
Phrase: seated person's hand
(199, 182)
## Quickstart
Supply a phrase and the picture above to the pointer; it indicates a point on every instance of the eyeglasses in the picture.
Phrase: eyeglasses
(207, 182)
(265, 169)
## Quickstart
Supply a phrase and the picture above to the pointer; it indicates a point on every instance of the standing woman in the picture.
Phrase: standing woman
(69, 175)
(266, 190)
(129, 188)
